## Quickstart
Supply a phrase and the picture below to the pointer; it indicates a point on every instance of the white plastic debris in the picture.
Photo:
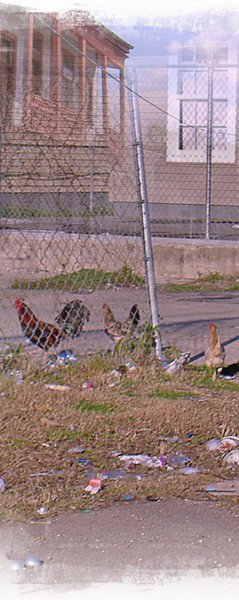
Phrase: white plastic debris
(143, 459)
(177, 363)
(76, 449)
(232, 458)
(189, 470)
(175, 459)
(42, 510)
(226, 443)
(17, 565)
(2, 485)
(33, 561)
(213, 444)
(230, 441)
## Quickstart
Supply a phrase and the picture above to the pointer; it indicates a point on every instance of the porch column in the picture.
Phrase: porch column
(29, 67)
(105, 97)
(122, 103)
(82, 80)
(56, 66)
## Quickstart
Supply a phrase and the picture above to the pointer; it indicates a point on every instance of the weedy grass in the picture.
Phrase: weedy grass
(84, 279)
(136, 413)
(212, 282)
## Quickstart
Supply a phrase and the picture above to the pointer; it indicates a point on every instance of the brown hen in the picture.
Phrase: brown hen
(215, 353)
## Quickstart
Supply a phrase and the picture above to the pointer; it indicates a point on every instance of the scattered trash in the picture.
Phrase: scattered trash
(174, 459)
(116, 373)
(177, 363)
(189, 470)
(190, 434)
(55, 386)
(2, 485)
(112, 475)
(129, 366)
(213, 444)
(153, 498)
(230, 371)
(196, 398)
(143, 459)
(39, 473)
(87, 386)
(42, 510)
(33, 561)
(83, 460)
(63, 359)
(128, 497)
(229, 441)
(17, 565)
(18, 376)
(169, 438)
(225, 443)
(232, 458)
(229, 487)
(76, 449)
(94, 486)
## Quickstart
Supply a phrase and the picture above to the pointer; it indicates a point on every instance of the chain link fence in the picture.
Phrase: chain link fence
(71, 188)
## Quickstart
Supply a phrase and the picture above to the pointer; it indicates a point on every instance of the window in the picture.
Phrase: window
(113, 88)
(68, 79)
(89, 101)
(7, 58)
(37, 64)
(188, 100)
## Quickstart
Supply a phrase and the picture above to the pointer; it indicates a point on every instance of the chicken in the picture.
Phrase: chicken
(117, 330)
(42, 334)
(72, 318)
(112, 327)
(133, 319)
(215, 353)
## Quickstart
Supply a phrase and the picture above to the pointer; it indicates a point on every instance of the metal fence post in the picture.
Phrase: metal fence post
(209, 152)
(144, 211)
(92, 181)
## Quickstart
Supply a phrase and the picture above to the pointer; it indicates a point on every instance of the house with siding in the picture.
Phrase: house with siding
(62, 110)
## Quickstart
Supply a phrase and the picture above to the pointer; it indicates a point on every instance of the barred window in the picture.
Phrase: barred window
(188, 102)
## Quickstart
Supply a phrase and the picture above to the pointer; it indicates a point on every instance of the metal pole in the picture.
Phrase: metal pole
(209, 152)
(0, 154)
(143, 203)
(92, 180)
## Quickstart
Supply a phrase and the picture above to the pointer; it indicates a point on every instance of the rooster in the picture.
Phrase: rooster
(215, 353)
(117, 330)
(72, 318)
(42, 334)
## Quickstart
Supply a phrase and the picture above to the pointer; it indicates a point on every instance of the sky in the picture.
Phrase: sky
(161, 36)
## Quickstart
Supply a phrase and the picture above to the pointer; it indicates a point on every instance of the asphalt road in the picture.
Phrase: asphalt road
(145, 547)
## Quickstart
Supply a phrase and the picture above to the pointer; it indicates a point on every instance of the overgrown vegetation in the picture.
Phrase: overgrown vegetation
(136, 412)
(211, 283)
(84, 279)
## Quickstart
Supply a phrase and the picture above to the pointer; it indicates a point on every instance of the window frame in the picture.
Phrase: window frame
(38, 36)
(66, 53)
(176, 97)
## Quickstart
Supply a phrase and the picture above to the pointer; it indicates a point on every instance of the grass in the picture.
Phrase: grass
(27, 212)
(139, 414)
(213, 282)
(84, 279)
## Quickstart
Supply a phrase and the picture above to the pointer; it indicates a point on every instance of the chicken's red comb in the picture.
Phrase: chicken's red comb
(18, 303)
(104, 305)
(211, 325)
